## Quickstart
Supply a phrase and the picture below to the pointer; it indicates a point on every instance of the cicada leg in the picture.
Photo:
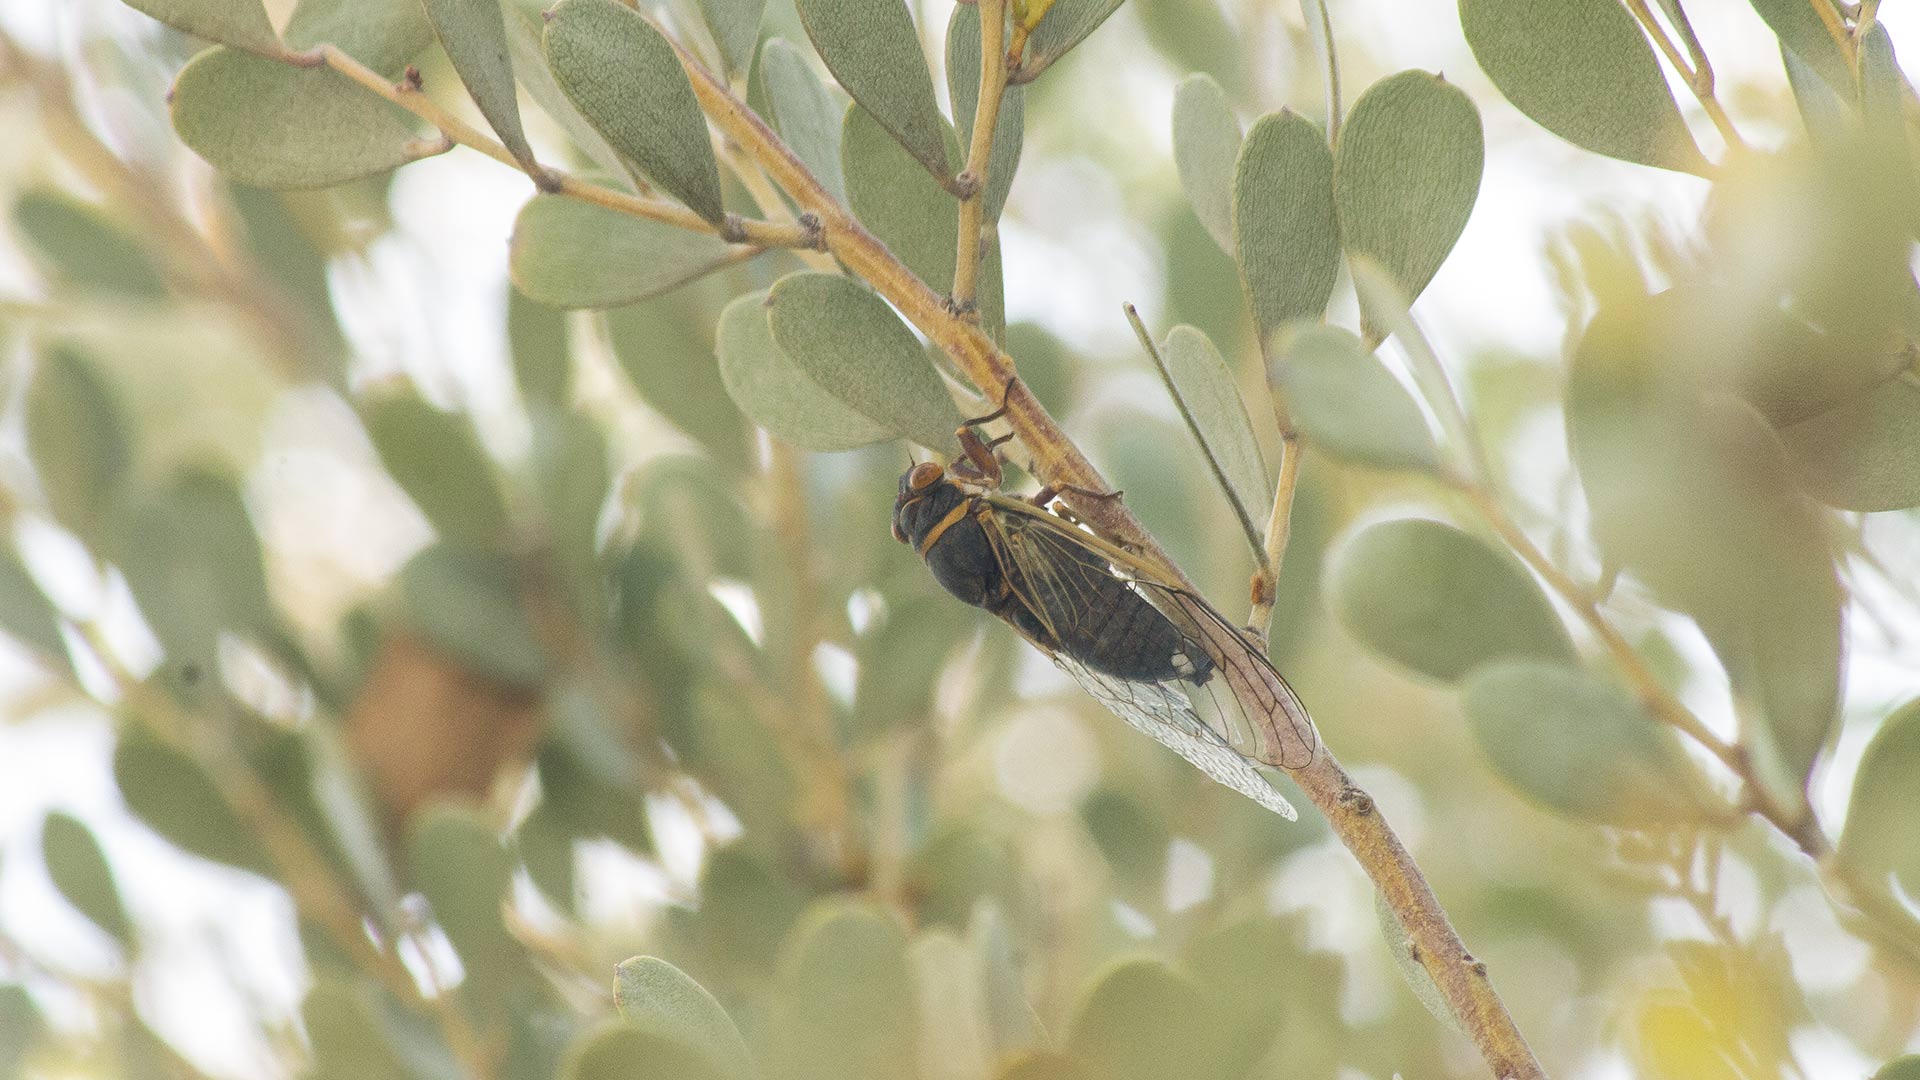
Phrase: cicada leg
(978, 450)
(1048, 493)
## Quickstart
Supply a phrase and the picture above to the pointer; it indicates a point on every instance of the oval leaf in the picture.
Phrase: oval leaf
(1879, 839)
(1865, 455)
(1439, 601)
(963, 89)
(84, 247)
(1578, 746)
(1285, 236)
(175, 797)
(26, 613)
(899, 203)
(618, 1051)
(847, 1012)
(1805, 37)
(735, 25)
(193, 561)
(627, 81)
(240, 23)
(264, 123)
(1210, 402)
(1582, 70)
(474, 33)
(1347, 403)
(574, 254)
(1142, 1021)
(79, 870)
(1065, 24)
(460, 866)
(468, 604)
(77, 439)
(805, 112)
(1406, 173)
(666, 347)
(1206, 144)
(778, 394)
(436, 459)
(656, 996)
(857, 350)
(873, 49)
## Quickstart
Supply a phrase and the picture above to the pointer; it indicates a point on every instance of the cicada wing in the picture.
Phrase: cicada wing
(1244, 698)
(1164, 711)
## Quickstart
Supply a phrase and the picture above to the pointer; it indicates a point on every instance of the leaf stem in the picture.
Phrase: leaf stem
(973, 178)
(1266, 576)
(1463, 981)
(1699, 73)
(1836, 27)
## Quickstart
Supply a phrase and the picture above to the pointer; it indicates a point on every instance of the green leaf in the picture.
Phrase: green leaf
(805, 112)
(898, 202)
(79, 870)
(544, 842)
(469, 605)
(735, 25)
(26, 613)
(537, 340)
(1140, 1020)
(777, 393)
(1066, 24)
(1206, 145)
(1801, 33)
(657, 997)
(349, 1036)
(21, 1026)
(963, 89)
(873, 50)
(530, 67)
(1578, 746)
(460, 866)
(1286, 238)
(1400, 946)
(1209, 401)
(192, 559)
(240, 23)
(84, 247)
(574, 254)
(1441, 602)
(264, 123)
(627, 81)
(76, 435)
(1582, 70)
(1347, 403)
(570, 466)
(618, 1051)
(474, 33)
(1406, 173)
(1879, 840)
(379, 34)
(857, 350)
(1902, 1068)
(847, 1007)
(172, 795)
(1863, 455)
(436, 459)
(666, 346)
(952, 1007)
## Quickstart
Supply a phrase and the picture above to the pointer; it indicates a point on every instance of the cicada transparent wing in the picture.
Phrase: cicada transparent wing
(1155, 655)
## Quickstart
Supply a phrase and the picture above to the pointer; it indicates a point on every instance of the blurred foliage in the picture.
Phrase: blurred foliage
(556, 641)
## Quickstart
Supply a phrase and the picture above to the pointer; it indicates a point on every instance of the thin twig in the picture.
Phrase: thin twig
(1836, 27)
(1266, 577)
(1699, 73)
(1463, 981)
(973, 178)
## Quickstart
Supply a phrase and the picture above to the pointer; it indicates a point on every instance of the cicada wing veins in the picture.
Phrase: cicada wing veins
(1245, 698)
(1164, 711)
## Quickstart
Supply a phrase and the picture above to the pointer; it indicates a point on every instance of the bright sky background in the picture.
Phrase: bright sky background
(427, 301)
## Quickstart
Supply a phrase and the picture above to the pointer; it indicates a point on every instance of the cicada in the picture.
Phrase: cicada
(1156, 654)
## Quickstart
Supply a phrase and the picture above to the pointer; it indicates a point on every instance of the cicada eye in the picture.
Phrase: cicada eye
(924, 475)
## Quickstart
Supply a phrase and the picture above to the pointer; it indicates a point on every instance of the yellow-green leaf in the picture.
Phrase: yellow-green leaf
(735, 25)
(1141, 1020)
(1286, 237)
(857, 350)
(575, 254)
(1802, 33)
(84, 248)
(627, 81)
(872, 48)
(79, 870)
(1582, 70)
(805, 112)
(26, 613)
(898, 202)
(1209, 401)
(1206, 143)
(1864, 455)
(846, 1011)
(240, 23)
(1440, 601)
(436, 459)
(1406, 173)
(468, 604)
(77, 439)
(1879, 840)
(1065, 24)
(175, 797)
(655, 996)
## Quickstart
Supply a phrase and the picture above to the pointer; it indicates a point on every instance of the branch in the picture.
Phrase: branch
(973, 178)
(1462, 980)
(1699, 73)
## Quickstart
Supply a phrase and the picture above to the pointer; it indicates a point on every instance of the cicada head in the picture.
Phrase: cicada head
(926, 495)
